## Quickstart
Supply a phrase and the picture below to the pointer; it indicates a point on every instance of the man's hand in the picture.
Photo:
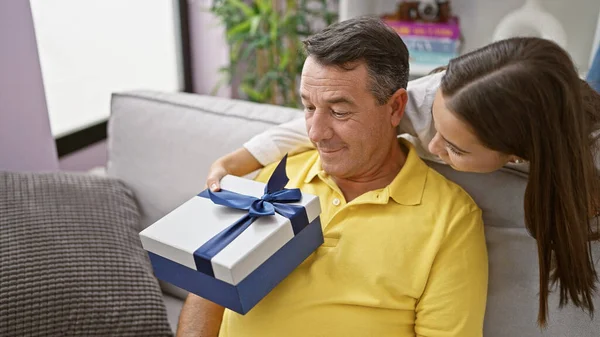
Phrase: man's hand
(238, 163)
(199, 318)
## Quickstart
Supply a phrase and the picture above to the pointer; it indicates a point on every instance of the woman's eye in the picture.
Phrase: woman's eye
(453, 150)
(309, 108)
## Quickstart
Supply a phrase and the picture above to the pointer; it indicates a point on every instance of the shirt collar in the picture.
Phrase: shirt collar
(314, 170)
(408, 186)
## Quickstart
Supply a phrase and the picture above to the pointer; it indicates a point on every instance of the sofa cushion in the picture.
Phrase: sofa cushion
(71, 263)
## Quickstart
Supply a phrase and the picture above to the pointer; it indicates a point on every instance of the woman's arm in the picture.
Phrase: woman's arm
(262, 149)
(417, 120)
(271, 145)
(238, 163)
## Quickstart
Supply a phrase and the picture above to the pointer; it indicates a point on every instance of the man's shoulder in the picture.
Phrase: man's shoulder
(441, 190)
(451, 208)
(434, 192)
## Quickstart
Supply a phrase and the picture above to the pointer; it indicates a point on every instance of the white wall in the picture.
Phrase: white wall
(480, 17)
(209, 49)
(26, 143)
(89, 49)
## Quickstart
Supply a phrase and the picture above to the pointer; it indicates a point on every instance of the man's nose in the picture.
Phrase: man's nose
(436, 145)
(319, 126)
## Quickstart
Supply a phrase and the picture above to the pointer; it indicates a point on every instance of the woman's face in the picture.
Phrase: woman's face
(458, 146)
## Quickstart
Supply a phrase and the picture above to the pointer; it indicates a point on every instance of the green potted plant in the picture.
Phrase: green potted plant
(265, 41)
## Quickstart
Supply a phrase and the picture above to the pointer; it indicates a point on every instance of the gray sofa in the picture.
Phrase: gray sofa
(59, 239)
(161, 145)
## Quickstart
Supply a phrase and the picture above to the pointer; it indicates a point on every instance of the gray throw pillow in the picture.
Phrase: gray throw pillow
(71, 263)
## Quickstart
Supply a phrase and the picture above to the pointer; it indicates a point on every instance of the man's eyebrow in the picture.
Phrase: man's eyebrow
(340, 99)
(333, 100)
(446, 140)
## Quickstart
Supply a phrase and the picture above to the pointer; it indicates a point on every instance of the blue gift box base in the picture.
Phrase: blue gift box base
(254, 287)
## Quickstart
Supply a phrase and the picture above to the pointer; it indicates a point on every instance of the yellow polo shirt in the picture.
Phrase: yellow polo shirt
(406, 260)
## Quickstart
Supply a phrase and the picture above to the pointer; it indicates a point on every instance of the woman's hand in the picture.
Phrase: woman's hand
(216, 172)
(237, 163)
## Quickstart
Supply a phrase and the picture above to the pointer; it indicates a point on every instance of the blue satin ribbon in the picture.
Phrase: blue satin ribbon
(273, 201)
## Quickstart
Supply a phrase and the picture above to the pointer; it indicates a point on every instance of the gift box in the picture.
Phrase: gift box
(234, 246)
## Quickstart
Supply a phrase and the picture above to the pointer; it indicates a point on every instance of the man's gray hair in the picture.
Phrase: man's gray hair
(367, 39)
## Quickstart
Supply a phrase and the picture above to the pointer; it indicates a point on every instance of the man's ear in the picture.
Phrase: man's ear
(397, 104)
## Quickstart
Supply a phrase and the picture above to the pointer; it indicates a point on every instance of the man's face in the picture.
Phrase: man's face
(349, 129)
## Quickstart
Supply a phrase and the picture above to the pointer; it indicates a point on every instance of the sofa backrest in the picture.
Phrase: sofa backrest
(513, 264)
(161, 146)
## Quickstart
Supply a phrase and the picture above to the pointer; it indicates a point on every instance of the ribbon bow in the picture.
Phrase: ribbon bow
(273, 201)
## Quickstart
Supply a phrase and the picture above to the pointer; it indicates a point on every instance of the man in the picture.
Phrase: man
(404, 252)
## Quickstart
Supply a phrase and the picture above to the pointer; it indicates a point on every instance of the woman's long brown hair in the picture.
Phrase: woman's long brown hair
(523, 97)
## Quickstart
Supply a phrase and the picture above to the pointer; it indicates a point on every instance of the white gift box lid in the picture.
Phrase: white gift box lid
(180, 233)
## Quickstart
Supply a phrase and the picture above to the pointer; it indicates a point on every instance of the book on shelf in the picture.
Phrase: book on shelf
(430, 44)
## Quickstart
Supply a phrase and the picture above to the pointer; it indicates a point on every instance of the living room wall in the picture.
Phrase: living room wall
(208, 48)
(26, 142)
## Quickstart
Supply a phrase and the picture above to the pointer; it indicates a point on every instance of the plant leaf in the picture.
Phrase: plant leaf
(255, 22)
(264, 6)
(240, 28)
(252, 94)
(273, 22)
(265, 41)
(247, 10)
(285, 59)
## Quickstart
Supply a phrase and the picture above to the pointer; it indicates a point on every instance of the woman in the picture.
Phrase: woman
(516, 100)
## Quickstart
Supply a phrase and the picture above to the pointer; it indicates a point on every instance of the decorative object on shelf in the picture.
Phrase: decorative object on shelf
(429, 30)
(265, 41)
(593, 75)
(595, 41)
(424, 10)
(531, 20)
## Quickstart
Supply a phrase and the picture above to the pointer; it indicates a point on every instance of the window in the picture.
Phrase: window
(90, 49)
